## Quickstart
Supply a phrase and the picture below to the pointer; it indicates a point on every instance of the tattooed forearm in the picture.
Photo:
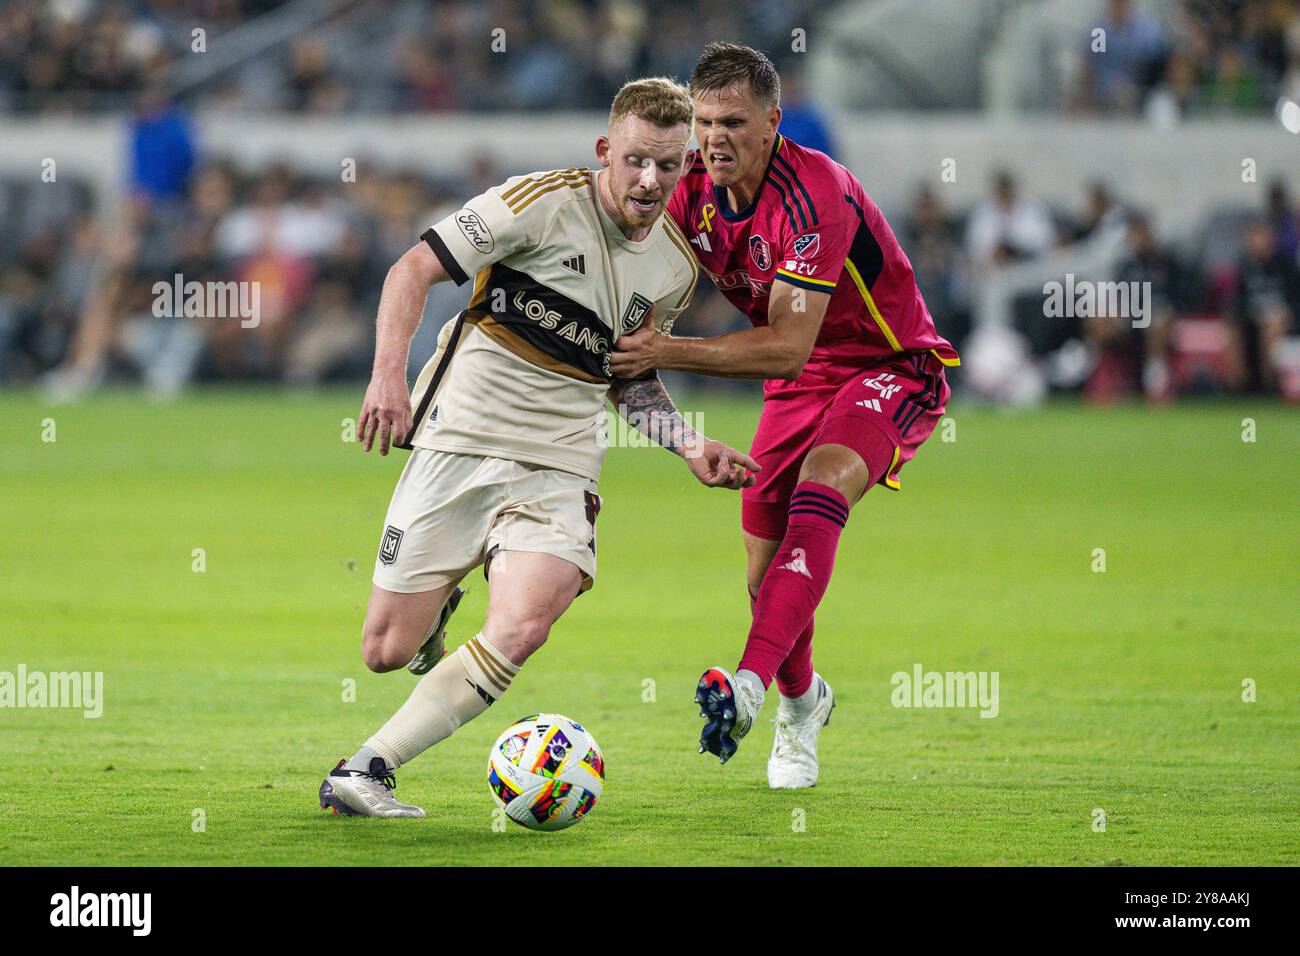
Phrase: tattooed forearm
(647, 407)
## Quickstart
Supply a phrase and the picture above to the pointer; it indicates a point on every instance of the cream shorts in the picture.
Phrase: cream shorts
(450, 512)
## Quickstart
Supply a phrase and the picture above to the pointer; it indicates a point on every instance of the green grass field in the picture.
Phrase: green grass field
(224, 689)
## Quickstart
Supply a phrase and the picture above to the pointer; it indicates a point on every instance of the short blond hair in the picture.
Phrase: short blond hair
(659, 99)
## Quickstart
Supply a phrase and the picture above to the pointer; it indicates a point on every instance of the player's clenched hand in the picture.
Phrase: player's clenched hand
(385, 412)
(636, 353)
(719, 466)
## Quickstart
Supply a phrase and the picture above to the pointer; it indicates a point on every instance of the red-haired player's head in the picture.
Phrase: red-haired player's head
(644, 151)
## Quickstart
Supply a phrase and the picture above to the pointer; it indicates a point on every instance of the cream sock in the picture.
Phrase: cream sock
(463, 685)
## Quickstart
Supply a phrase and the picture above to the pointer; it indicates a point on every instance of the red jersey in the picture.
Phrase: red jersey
(812, 225)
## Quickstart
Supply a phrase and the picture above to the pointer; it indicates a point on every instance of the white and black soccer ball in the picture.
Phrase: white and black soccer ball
(546, 771)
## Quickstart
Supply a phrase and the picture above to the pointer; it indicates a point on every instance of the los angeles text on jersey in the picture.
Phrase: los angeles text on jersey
(541, 325)
(549, 319)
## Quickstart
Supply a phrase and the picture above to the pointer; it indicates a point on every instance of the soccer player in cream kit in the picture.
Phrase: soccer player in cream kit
(854, 374)
(504, 422)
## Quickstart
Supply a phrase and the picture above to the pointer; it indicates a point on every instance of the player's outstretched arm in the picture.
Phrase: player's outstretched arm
(386, 409)
(778, 350)
(646, 405)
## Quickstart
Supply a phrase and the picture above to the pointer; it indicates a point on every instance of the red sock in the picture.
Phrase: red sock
(794, 676)
(795, 580)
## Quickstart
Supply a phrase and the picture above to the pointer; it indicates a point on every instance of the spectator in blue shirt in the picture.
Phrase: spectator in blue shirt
(162, 148)
(801, 120)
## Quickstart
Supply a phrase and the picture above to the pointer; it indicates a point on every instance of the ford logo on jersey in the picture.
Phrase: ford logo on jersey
(475, 230)
(759, 252)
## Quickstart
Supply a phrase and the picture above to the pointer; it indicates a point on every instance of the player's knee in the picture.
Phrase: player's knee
(834, 474)
(842, 470)
(380, 648)
(520, 636)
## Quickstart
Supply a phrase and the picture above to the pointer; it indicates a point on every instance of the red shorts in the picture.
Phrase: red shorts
(883, 412)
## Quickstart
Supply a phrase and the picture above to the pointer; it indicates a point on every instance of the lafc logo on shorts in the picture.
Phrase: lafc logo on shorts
(388, 547)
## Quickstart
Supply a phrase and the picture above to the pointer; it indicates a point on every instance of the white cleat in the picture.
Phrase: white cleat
(728, 707)
(793, 762)
(362, 793)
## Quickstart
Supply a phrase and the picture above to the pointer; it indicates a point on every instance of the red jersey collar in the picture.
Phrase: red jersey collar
(720, 193)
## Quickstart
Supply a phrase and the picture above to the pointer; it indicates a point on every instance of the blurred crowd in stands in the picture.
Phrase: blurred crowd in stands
(1196, 57)
(1206, 57)
(375, 55)
(78, 299)
(78, 294)
(1214, 312)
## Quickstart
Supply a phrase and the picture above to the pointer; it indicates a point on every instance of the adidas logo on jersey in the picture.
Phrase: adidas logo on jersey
(871, 403)
(576, 264)
(702, 241)
(797, 564)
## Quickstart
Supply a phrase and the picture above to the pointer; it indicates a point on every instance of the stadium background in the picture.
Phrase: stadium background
(305, 146)
(308, 142)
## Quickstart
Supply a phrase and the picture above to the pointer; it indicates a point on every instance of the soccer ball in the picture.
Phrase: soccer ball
(546, 772)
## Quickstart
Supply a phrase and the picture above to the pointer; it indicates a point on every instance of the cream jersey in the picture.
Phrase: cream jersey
(522, 372)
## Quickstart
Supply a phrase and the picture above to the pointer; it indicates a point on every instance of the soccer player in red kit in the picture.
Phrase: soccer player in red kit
(854, 374)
